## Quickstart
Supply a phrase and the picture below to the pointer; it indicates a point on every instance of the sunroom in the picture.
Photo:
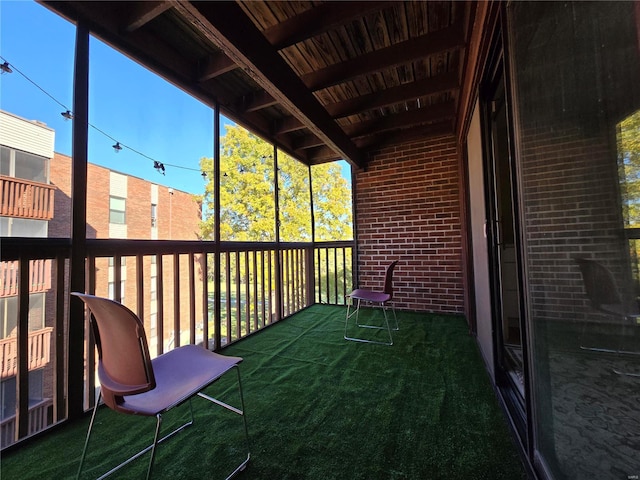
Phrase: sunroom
(492, 148)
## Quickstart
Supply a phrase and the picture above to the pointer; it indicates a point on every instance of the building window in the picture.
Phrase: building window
(117, 207)
(112, 291)
(154, 215)
(28, 166)
(123, 262)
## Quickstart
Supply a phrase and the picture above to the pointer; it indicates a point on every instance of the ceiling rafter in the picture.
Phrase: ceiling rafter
(227, 26)
(435, 113)
(259, 101)
(308, 141)
(407, 135)
(442, 40)
(322, 154)
(288, 124)
(215, 65)
(143, 12)
(320, 19)
(403, 93)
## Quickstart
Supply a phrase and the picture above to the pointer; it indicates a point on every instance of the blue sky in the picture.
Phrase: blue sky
(128, 104)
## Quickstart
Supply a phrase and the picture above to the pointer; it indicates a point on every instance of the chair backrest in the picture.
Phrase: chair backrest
(124, 364)
(599, 283)
(388, 279)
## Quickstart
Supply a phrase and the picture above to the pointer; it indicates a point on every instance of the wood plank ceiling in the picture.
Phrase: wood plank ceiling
(322, 80)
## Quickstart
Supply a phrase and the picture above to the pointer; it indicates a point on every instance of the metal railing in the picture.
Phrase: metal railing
(172, 287)
(26, 199)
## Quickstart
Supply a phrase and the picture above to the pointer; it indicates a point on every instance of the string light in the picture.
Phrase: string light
(68, 115)
(158, 166)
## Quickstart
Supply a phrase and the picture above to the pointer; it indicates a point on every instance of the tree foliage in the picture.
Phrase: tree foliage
(629, 165)
(247, 194)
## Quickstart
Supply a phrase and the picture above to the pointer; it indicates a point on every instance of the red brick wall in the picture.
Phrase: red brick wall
(178, 219)
(178, 212)
(572, 210)
(408, 208)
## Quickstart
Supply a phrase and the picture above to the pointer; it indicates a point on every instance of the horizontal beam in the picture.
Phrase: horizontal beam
(391, 96)
(433, 114)
(410, 50)
(315, 21)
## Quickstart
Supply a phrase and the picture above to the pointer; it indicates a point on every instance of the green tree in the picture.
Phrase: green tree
(247, 194)
(294, 197)
(332, 203)
(629, 167)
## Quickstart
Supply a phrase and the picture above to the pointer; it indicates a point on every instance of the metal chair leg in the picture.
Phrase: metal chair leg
(376, 327)
(141, 452)
(86, 442)
(239, 411)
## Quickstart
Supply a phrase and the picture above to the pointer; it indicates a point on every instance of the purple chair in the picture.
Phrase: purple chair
(133, 383)
(374, 298)
(602, 292)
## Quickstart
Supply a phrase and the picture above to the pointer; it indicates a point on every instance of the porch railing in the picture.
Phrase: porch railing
(38, 348)
(39, 277)
(26, 199)
(38, 421)
(171, 286)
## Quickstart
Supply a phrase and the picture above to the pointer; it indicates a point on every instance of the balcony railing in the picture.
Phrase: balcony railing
(25, 199)
(186, 292)
(39, 277)
(38, 421)
(39, 350)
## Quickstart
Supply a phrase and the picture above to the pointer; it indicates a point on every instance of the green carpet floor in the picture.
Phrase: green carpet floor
(318, 407)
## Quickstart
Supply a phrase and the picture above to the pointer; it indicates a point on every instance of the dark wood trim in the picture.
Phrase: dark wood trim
(422, 88)
(225, 24)
(318, 20)
(144, 12)
(435, 114)
(22, 380)
(75, 367)
(215, 65)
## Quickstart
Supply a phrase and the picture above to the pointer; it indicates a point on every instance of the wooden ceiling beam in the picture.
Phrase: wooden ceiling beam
(215, 65)
(259, 101)
(141, 13)
(227, 26)
(308, 141)
(432, 114)
(391, 96)
(315, 21)
(322, 154)
(442, 40)
(407, 135)
(288, 124)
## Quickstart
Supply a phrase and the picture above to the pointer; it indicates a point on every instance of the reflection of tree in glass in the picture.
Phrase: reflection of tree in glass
(629, 168)
(247, 200)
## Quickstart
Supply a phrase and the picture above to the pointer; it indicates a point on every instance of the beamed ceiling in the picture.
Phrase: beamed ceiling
(321, 80)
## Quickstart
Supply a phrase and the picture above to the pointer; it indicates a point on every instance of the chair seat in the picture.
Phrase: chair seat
(179, 374)
(369, 295)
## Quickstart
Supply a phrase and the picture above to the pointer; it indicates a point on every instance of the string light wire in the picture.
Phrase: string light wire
(122, 145)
